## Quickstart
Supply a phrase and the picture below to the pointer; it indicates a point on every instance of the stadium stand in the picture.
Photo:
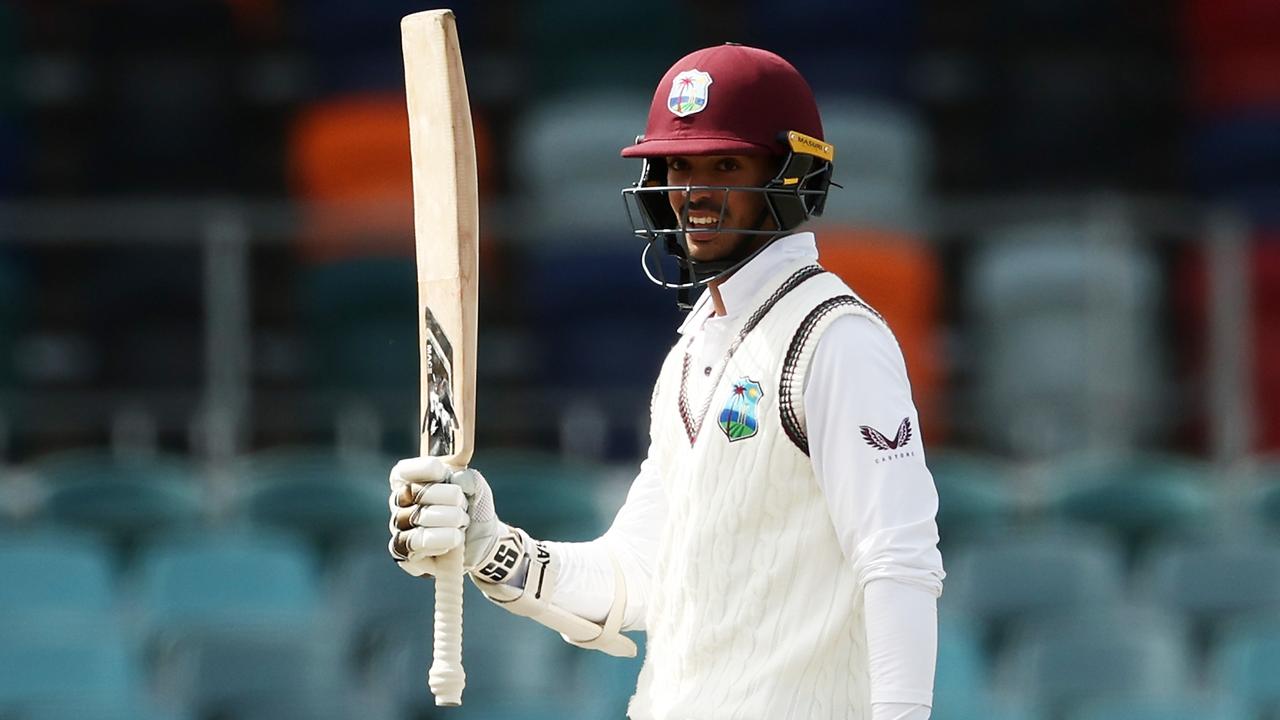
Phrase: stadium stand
(1052, 371)
(15, 311)
(1096, 653)
(986, 707)
(1139, 497)
(1244, 664)
(1031, 333)
(514, 667)
(1214, 579)
(1269, 505)
(236, 618)
(358, 48)
(1173, 706)
(875, 263)
(211, 578)
(607, 683)
(546, 495)
(1034, 573)
(567, 147)
(963, 673)
(329, 498)
(128, 497)
(359, 320)
(1263, 326)
(889, 161)
(563, 46)
(976, 495)
(353, 149)
(48, 571)
(862, 48)
(81, 660)
(1232, 58)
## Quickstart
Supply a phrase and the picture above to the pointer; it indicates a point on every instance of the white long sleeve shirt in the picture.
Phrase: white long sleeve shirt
(883, 510)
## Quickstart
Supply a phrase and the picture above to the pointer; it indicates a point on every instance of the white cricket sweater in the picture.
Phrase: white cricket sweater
(753, 611)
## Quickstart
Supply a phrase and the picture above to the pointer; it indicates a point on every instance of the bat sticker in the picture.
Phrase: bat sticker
(439, 421)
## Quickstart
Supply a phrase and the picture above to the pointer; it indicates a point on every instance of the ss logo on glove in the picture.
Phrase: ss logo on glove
(503, 560)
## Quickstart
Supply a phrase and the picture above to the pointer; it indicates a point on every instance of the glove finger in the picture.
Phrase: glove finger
(419, 469)
(440, 516)
(404, 518)
(439, 494)
(429, 542)
(399, 499)
(398, 546)
(400, 553)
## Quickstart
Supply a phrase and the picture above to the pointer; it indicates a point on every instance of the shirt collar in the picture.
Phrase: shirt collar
(743, 285)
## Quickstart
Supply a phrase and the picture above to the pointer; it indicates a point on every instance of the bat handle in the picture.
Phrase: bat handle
(446, 677)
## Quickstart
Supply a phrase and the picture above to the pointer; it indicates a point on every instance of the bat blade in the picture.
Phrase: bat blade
(446, 229)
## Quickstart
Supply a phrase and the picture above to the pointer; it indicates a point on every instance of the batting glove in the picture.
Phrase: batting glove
(435, 509)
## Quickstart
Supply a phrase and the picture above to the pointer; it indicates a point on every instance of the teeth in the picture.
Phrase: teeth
(703, 221)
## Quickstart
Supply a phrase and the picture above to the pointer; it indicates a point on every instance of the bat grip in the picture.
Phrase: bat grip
(446, 677)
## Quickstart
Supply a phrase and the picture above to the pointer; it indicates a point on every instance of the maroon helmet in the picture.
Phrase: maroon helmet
(728, 100)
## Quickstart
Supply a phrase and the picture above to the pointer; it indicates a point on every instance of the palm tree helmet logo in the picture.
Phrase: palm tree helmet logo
(689, 93)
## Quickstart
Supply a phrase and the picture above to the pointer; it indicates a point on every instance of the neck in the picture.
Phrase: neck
(717, 302)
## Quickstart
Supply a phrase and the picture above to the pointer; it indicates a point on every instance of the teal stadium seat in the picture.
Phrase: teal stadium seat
(1034, 572)
(1139, 496)
(1245, 662)
(228, 578)
(59, 611)
(1266, 477)
(140, 708)
(371, 596)
(127, 498)
(1176, 706)
(1215, 579)
(1097, 653)
(54, 572)
(975, 494)
(331, 498)
(984, 706)
(238, 618)
(87, 659)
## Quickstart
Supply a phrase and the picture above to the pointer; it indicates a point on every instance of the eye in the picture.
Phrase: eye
(677, 164)
(727, 165)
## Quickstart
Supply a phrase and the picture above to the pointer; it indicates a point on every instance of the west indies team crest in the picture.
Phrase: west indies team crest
(738, 417)
(689, 92)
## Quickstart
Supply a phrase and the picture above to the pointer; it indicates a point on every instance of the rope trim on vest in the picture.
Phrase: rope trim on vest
(790, 365)
(692, 426)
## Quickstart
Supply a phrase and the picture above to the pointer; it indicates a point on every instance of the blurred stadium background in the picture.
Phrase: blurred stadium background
(1069, 210)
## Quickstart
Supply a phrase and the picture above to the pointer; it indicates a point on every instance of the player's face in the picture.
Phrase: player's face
(740, 209)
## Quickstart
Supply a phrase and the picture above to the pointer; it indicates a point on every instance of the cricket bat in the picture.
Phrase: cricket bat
(446, 228)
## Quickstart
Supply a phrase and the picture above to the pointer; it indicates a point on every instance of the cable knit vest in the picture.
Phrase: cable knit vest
(754, 611)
